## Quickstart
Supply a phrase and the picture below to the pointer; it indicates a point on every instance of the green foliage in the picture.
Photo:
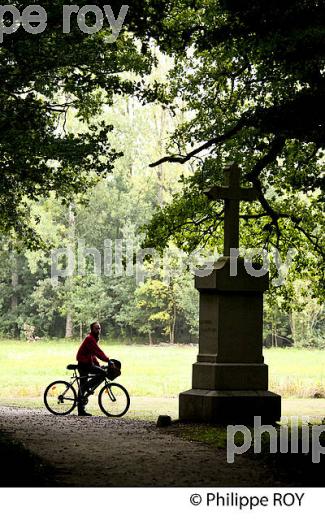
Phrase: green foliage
(246, 84)
(249, 77)
(43, 78)
(166, 305)
(114, 210)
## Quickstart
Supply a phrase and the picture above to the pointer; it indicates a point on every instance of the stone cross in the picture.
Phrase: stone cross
(232, 194)
(230, 378)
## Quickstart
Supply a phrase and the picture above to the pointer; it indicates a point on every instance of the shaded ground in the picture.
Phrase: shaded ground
(283, 468)
(98, 451)
(20, 468)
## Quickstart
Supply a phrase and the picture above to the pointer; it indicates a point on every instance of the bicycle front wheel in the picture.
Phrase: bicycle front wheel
(60, 398)
(113, 400)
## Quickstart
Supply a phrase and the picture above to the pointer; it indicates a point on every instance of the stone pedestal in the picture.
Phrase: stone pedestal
(230, 379)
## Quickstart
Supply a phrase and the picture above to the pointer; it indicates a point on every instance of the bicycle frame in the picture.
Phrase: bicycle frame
(76, 378)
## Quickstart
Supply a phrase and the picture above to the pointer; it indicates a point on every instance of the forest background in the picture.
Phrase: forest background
(161, 309)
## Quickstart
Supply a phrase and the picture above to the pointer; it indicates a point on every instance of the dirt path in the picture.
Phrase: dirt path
(97, 451)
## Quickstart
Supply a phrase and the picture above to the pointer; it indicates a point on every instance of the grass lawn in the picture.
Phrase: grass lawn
(154, 376)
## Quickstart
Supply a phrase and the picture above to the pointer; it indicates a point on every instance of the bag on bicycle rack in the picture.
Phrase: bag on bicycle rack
(114, 372)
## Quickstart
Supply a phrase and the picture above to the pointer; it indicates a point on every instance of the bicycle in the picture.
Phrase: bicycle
(61, 397)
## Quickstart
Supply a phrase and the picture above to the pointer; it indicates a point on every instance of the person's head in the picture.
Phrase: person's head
(95, 329)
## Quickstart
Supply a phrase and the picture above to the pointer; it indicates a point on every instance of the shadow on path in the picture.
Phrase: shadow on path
(99, 451)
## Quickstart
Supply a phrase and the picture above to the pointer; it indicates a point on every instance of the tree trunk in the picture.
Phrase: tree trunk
(273, 330)
(160, 131)
(14, 294)
(68, 327)
(14, 285)
(130, 114)
(68, 282)
(292, 321)
(173, 326)
(80, 331)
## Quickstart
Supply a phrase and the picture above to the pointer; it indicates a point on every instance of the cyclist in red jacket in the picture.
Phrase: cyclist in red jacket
(88, 364)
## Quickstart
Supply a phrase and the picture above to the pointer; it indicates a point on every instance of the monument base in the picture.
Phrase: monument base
(229, 406)
(229, 376)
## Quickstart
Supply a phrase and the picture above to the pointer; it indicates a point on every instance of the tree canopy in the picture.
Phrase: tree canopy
(44, 75)
(250, 76)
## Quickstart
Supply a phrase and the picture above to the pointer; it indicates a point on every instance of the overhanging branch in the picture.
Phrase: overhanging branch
(275, 148)
(181, 159)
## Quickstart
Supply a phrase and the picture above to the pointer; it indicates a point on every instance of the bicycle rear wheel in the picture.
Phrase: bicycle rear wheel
(114, 400)
(60, 398)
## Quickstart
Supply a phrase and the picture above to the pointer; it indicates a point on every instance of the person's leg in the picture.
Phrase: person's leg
(97, 378)
(83, 372)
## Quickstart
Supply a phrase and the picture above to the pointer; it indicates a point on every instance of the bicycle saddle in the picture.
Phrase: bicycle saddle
(72, 367)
